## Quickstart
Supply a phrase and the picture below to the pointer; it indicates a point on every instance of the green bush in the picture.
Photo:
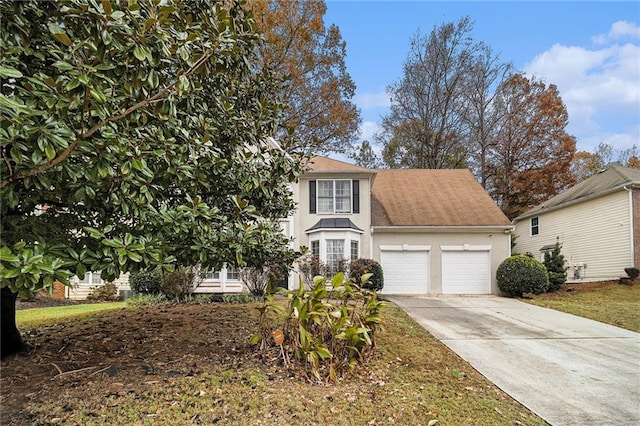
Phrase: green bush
(147, 282)
(520, 274)
(360, 267)
(554, 262)
(329, 332)
(107, 292)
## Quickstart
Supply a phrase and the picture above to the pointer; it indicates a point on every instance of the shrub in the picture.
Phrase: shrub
(255, 279)
(329, 332)
(360, 267)
(146, 282)
(311, 266)
(633, 273)
(107, 292)
(179, 284)
(520, 274)
(554, 262)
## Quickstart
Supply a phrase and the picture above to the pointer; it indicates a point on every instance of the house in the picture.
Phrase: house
(597, 222)
(433, 231)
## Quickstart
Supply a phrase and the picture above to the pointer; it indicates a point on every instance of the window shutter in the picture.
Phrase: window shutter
(356, 196)
(312, 196)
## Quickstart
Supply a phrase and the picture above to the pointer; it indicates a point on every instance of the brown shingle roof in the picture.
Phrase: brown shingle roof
(613, 178)
(323, 164)
(426, 197)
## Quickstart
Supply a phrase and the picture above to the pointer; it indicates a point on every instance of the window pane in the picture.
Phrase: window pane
(343, 196)
(86, 279)
(95, 278)
(354, 250)
(210, 274)
(534, 226)
(232, 273)
(325, 205)
(315, 248)
(335, 253)
(325, 188)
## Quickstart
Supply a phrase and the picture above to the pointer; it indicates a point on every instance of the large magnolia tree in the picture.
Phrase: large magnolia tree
(133, 134)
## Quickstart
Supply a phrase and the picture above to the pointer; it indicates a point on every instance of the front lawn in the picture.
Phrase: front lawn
(609, 302)
(38, 316)
(191, 364)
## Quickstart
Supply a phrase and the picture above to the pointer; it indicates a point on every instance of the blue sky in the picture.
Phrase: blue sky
(590, 50)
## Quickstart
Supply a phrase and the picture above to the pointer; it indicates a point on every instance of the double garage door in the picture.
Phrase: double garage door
(464, 271)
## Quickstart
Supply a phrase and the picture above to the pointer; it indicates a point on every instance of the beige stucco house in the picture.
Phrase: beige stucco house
(597, 222)
(433, 231)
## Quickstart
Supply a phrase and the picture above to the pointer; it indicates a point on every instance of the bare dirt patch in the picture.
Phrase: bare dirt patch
(124, 349)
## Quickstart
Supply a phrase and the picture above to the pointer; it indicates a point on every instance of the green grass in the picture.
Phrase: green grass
(614, 304)
(40, 316)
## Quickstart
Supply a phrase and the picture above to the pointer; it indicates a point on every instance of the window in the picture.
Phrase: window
(210, 274)
(315, 248)
(354, 250)
(232, 273)
(92, 278)
(535, 226)
(335, 253)
(334, 196)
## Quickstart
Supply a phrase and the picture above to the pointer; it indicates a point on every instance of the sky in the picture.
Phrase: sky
(589, 50)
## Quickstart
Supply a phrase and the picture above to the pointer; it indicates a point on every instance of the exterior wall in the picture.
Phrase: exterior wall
(596, 233)
(497, 239)
(304, 220)
(81, 291)
(636, 227)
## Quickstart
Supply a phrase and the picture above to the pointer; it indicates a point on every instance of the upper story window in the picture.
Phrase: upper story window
(334, 196)
(535, 226)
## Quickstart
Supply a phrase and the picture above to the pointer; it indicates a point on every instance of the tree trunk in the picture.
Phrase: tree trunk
(11, 339)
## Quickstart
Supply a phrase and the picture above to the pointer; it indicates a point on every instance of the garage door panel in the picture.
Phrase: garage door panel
(405, 272)
(466, 272)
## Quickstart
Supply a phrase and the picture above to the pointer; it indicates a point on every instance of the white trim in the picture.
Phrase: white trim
(465, 247)
(313, 231)
(633, 255)
(445, 228)
(405, 247)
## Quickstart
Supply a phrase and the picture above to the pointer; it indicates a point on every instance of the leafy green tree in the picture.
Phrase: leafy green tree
(555, 263)
(365, 156)
(132, 135)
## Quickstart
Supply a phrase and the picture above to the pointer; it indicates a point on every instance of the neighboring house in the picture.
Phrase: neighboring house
(433, 231)
(597, 222)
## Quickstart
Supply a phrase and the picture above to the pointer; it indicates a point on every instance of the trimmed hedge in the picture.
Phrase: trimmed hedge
(359, 267)
(520, 274)
(145, 283)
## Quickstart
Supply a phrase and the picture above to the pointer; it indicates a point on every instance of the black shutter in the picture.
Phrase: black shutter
(356, 196)
(312, 196)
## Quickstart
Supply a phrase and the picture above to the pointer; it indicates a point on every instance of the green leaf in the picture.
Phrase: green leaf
(106, 5)
(9, 72)
(98, 95)
(49, 152)
(63, 66)
(7, 256)
(138, 52)
(63, 38)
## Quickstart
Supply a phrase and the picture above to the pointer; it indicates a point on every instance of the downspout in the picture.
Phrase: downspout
(371, 243)
(631, 226)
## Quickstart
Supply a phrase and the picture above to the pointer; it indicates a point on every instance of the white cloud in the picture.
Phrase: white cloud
(620, 29)
(368, 129)
(600, 86)
(372, 100)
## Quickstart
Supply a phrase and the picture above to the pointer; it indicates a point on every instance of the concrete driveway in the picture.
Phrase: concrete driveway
(567, 369)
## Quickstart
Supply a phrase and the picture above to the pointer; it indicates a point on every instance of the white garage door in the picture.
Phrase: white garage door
(405, 272)
(466, 272)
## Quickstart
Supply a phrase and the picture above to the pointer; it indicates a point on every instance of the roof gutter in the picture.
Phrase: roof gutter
(439, 228)
(627, 186)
